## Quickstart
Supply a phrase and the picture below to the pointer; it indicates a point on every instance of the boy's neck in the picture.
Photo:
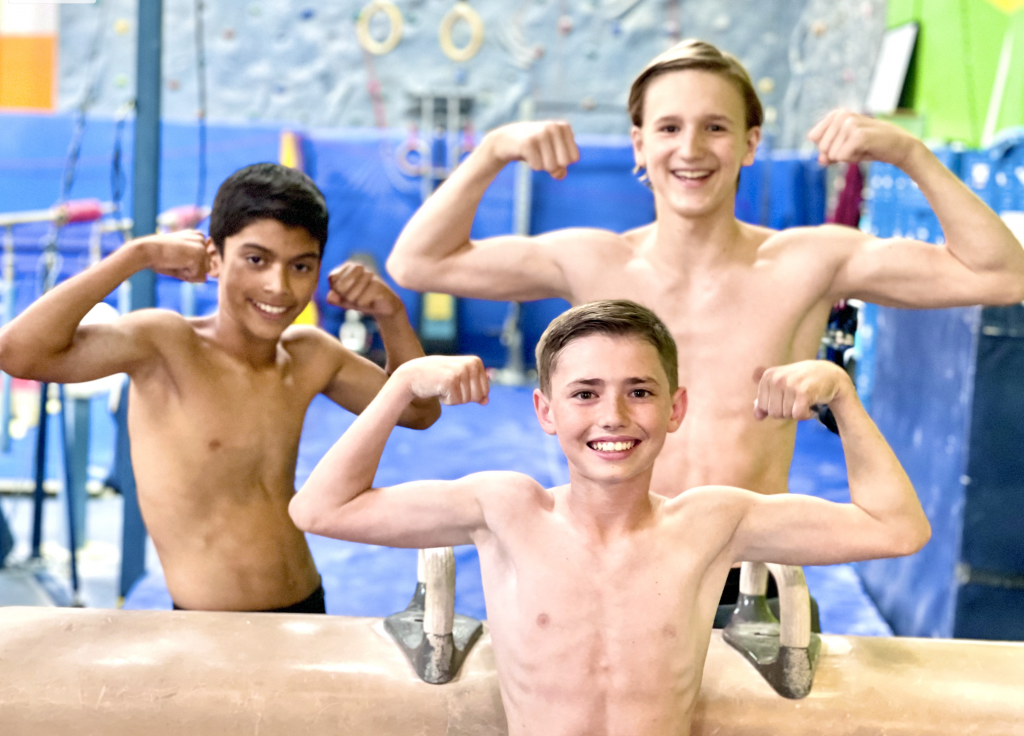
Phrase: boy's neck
(609, 510)
(240, 343)
(705, 241)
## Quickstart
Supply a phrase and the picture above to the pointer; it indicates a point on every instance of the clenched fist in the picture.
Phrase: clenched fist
(181, 254)
(454, 379)
(545, 146)
(846, 136)
(354, 286)
(789, 391)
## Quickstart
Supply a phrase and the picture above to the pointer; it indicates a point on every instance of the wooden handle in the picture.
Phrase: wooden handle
(439, 576)
(794, 605)
(753, 578)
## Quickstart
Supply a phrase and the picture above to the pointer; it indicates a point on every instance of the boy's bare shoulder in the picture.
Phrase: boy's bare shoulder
(159, 326)
(303, 340)
(710, 502)
(507, 488)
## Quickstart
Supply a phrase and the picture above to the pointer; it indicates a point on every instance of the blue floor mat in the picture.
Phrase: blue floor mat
(363, 580)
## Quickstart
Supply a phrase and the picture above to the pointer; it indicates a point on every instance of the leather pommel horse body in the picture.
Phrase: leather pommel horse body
(73, 671)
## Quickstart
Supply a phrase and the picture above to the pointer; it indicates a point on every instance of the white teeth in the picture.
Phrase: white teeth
(270, 309)
(612, 446)
(693, 174)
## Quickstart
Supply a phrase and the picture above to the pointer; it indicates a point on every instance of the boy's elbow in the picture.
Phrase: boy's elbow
(13, 361)
(912, 539)
(302, 513)
(401, 271)
(422, 417)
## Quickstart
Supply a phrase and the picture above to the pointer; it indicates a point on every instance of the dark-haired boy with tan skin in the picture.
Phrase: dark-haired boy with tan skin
(217, 403)
(601, 594)
(736, 297)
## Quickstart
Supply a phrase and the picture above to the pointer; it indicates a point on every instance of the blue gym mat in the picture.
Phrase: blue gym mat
(363, 580)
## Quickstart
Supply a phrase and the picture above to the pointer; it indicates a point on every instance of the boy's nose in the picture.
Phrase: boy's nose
(614, 415)
(276, 281)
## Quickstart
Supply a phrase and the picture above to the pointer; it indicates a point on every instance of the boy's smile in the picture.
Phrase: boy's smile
(267, 275)
(694, 140)
(610, 407)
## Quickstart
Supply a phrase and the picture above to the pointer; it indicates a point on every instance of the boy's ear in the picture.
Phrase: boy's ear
(679, 404)
(753, 138)
(216, 261)
(638, 148)
(542, 405)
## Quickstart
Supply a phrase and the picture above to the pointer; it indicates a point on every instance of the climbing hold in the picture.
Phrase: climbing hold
(765, 85)
(227, 34)
(819, 28)
(121, 26)
(173, 84)
(565, 25)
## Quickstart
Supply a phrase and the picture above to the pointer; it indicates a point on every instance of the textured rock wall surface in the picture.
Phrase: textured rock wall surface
(300, 61)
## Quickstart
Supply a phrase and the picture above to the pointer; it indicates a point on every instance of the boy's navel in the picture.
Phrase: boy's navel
(543, 620)
(214, 445)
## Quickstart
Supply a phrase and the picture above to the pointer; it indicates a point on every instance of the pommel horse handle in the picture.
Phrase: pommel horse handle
(432, 637)
(784, 652)
(439, 598)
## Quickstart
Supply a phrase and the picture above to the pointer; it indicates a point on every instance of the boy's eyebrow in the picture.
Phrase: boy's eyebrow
(641, 379)
(586, 382)
(262, 249)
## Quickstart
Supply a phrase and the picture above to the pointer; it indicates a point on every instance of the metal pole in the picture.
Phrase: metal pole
(145, 207)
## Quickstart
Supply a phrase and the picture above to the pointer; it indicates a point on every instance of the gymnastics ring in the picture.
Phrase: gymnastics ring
(366, 39)
(461, 11)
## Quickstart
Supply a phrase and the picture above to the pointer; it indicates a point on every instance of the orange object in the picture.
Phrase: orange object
(27, 65)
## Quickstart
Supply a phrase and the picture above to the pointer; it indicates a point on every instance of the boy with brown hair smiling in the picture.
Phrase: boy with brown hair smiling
(216, 403)
(601, 594)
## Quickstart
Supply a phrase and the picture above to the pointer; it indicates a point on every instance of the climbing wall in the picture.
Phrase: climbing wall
(301, 61)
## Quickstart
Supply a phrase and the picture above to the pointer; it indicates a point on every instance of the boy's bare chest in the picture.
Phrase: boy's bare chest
(214, 408)
(729, 322)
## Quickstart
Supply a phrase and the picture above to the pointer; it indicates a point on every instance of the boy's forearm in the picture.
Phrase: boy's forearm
(349, 467)
(974, 234)
(443, 224)
(48, 325)
(878, 484)
(401, 344)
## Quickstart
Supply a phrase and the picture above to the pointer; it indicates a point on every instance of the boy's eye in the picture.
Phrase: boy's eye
(584, 395)
(254, 260)
(715, 128)
(669, 128)
(303, 267)
(640, 393)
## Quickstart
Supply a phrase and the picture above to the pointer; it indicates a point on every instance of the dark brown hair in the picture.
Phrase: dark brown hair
(618, 317)
(700, 55)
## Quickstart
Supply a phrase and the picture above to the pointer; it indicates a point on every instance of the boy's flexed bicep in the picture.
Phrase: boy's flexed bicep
(435, 251)
(123, 345)
(428, 513)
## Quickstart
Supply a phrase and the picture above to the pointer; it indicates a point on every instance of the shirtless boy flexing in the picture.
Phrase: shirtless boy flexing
(216, 403)
(735, 296)
(601, 594)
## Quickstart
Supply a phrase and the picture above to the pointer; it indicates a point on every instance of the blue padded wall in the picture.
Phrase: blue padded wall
(946, 392)
(369, 198)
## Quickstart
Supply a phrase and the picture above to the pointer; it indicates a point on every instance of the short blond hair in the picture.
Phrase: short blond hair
(701, 55)
(615, 317)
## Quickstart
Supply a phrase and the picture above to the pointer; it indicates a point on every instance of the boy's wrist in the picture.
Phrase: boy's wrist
(140, 253)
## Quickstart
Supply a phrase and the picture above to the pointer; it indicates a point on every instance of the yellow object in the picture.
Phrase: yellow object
(308, 316)
(366, 39)
(1007, 6)
(461, 11)
(438, 307)
(289, 152)
(26, 71)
